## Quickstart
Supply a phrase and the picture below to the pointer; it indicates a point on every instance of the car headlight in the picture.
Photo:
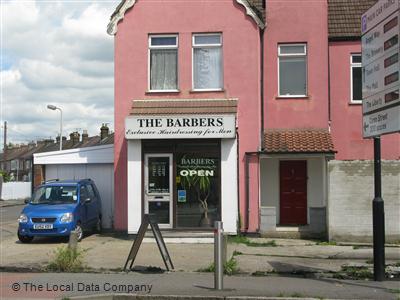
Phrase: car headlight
(66, 218)
(23, 218)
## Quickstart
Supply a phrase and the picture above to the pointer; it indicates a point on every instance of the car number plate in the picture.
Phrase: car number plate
(42, 226)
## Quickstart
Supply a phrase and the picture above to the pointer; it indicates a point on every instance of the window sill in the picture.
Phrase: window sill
(291, 97)
(355, 103)
(163, 92)
(208, 91)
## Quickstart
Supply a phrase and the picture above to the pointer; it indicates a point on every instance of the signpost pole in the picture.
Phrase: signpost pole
(378, 216)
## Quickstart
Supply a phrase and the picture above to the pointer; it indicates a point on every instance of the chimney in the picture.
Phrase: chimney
(75, 137)
(85, 136)
(58, 139)
(104, 131)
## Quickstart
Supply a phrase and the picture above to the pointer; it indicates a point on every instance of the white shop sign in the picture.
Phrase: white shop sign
(377, 13)
(377, 77)
(381, 122)
(373, 43)
(176, 127)
(382, 99)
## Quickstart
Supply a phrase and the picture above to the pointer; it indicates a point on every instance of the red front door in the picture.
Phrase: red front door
(293, 192)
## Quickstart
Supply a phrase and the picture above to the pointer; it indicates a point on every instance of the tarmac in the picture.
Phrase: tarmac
(261, 267)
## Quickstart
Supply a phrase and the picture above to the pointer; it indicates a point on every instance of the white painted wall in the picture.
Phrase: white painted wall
(351, 192)
(229, 195)
(134, 185)
(316, 184)
(89, 155)
(101, 174)
(16, 190)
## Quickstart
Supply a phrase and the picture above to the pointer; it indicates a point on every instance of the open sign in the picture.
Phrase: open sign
(197, 172)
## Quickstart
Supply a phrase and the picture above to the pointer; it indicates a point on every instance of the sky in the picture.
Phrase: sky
(59, 53)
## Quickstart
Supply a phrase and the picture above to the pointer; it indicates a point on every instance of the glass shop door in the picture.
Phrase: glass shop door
(158, 195)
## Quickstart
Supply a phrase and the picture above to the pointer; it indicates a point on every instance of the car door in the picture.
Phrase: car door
(83, 196)
(93, 205)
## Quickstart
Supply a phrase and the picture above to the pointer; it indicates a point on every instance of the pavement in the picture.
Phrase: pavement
(262, 267)
(188, 286)
(7, 203)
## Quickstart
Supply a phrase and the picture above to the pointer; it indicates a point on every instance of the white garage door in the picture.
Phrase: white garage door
(101, 174)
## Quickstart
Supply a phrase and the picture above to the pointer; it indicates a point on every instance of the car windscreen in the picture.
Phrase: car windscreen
(55, 195)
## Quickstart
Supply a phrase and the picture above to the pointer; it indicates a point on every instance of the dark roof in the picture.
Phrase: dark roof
(344, 17)
(298, 141)
(26, 151)
(180, 106)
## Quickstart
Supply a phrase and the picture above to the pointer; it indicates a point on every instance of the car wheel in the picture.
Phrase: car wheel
(25, 238)
(98, 227)
(79, 232)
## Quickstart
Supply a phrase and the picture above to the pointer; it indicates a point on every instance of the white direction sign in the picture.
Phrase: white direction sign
(381, 74)
(377, 13)
(381, 100)
(381, 68)
(373, 42)
(386, 121)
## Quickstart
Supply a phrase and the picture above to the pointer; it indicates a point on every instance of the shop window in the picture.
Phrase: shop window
(163, 63)
(355, 78)
(198, 188)
(292, 64)
(207, 62)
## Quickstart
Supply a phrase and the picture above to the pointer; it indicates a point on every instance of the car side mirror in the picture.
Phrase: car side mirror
(27, 200)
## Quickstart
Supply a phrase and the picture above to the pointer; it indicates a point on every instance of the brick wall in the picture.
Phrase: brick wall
(351, 190)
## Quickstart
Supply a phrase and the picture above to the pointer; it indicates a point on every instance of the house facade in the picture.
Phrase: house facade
(184, 119)
(238, 111)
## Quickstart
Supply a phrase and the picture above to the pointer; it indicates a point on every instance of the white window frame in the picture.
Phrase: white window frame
(292, 55)
(194, 46)
(150, 47)
(354, 65)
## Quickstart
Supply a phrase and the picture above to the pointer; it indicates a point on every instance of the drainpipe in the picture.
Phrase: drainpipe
(247, 181)
(261, 31)
(329, 91)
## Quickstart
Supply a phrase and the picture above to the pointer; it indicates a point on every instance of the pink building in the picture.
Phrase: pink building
(240, 111)
(187, 109)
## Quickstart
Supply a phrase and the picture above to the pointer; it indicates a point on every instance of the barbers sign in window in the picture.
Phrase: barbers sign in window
(175, 127)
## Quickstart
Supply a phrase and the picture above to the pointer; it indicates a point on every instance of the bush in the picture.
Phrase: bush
(5, 175)
(66, 260)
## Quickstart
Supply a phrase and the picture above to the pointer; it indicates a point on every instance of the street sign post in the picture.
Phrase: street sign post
(381, 105)
(380, 27)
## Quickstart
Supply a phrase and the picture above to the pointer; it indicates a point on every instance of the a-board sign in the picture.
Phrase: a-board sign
(380, 27)
(138, 241)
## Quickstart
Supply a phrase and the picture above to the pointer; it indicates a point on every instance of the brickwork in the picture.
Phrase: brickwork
(351, 191)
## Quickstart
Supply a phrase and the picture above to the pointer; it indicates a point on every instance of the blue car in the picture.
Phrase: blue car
(58, 207)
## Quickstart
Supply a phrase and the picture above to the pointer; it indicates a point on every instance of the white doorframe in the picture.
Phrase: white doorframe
(159, 196)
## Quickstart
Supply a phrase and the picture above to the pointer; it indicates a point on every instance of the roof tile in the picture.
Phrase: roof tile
(344, 17)
(298, 140)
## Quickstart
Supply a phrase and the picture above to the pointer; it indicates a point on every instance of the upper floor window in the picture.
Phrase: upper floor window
(292, 63)
(163, 63)
(207, 62)
(355, 78)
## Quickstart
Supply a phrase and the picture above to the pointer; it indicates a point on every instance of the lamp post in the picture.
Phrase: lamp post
(53, 107)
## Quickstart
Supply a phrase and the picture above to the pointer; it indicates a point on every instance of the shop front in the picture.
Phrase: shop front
(182, 163)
